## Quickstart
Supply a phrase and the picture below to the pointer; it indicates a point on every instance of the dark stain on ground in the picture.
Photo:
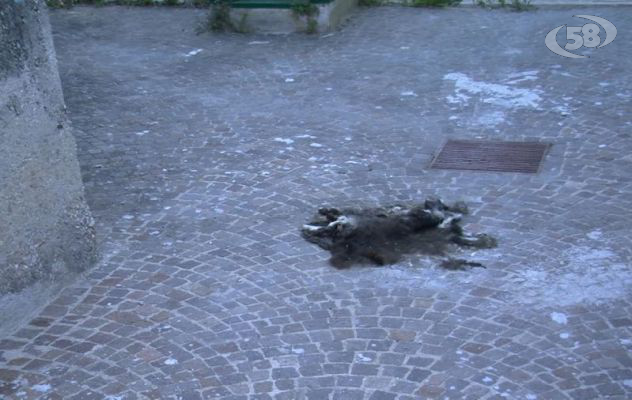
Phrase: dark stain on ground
(383, 235)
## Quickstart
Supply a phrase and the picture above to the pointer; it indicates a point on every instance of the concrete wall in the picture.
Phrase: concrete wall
(283, 21)
(46, 229)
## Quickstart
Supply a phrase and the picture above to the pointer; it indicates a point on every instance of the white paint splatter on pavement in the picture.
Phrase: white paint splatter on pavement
(42, 388)
(584, 275)
(558, 317)
(193, 53)
(595, 235)
(284, 140)
(493, 93)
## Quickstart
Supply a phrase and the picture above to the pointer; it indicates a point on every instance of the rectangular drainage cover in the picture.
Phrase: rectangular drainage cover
(491, 156)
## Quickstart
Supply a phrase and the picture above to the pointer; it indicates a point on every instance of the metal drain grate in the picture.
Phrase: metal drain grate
(491, 156)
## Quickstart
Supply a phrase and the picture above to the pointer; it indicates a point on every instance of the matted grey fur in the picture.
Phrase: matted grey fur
(382, 235)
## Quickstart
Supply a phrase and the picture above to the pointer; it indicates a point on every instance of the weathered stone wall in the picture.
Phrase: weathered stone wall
(46, 229)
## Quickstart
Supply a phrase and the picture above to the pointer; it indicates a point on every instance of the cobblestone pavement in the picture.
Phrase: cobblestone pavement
(203, 155)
